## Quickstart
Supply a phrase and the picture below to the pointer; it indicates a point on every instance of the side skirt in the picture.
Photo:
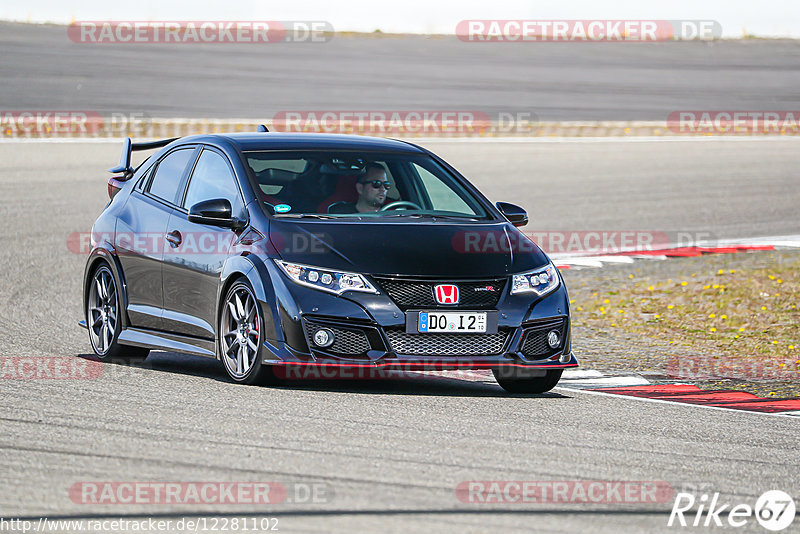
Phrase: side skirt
(165, 341)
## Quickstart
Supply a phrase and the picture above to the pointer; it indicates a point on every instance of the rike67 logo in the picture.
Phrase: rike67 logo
(774, 510)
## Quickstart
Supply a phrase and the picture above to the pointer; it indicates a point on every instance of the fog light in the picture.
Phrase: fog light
(553, 339)
(323, 337)
(565, 358)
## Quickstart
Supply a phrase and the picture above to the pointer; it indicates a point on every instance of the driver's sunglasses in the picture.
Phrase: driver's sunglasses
(379, 183)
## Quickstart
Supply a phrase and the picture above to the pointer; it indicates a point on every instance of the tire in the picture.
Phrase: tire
(240, 342)
(514, 380)
(102, 320)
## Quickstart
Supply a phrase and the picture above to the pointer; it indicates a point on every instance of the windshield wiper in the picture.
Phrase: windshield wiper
(435, 217)
(306, 216)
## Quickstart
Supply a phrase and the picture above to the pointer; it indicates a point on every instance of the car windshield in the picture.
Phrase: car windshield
(318, 183)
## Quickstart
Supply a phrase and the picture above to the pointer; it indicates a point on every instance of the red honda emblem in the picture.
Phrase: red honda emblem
(446, 294)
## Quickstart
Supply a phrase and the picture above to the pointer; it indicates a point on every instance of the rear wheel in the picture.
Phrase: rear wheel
(240, 339)
(514, 380)
(102, 318)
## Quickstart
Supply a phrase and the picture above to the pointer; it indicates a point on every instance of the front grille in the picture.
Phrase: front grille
(408, 293)
(534, 340)
(446, 344)
(347, 341)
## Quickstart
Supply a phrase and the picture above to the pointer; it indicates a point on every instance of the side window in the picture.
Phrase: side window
(212, 178)
(169, 173)
(442, 197)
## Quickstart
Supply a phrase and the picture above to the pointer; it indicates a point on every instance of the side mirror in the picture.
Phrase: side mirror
(515, 215)
(216, 212)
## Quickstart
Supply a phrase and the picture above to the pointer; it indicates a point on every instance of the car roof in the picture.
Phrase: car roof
(280, 140)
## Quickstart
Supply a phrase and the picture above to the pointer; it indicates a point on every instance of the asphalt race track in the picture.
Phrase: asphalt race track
(389, 453)
(43, 70)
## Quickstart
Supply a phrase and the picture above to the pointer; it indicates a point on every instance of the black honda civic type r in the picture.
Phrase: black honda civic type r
(272, 250)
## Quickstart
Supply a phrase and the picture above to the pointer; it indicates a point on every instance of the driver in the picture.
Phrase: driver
(371, 187)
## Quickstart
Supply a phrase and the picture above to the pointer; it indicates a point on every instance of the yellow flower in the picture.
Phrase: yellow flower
(580, 309)
(630, 276)
(684, 283)
(712, 315)
(791, 347)
(736, 336)
(669, 280)
(732, 271)
(613, 324)
(763, 307)
(781, 365)
(658, 316)
(620, 311)
(723, 317)
(715, 286)
(602, 312)
(721, 271)
(775, 342)
(650, 288)
(670, 307)
(713, 329)
(780, 281)
(741, 329)
(571, 301)
(706, 287)
(606, 301)
(771, 277)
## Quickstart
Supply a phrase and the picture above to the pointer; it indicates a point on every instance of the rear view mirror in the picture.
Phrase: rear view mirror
(515, 215)
(216, 212)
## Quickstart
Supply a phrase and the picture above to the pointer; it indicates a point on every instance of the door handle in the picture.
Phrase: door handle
(174, 238)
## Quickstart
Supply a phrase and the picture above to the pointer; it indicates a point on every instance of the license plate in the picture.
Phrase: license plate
(455, 322)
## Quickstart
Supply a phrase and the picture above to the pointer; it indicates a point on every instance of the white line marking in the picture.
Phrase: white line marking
(790, 415)
(610, 381)
(13, 140)
(632, 139)
(576, 374)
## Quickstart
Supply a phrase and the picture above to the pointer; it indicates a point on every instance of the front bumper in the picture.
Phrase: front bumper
(373, 333)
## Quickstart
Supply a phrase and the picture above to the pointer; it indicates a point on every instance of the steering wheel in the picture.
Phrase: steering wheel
(400, 204)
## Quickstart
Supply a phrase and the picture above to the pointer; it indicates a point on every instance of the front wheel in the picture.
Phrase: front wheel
(102, 318)
(515, 380)
(240, 340)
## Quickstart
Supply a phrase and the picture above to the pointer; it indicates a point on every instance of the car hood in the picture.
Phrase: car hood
(414, 248)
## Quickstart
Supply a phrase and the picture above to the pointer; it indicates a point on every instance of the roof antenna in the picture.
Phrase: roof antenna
(262, 128)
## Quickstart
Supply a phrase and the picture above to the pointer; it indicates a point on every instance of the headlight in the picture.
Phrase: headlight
(324, 279)
(541, 281)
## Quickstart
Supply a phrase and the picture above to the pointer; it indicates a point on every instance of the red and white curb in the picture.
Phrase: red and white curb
(639, 388)
(729, 246)
(712, 398)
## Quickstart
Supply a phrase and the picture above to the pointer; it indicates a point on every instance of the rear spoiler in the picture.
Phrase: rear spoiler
(124, 166)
